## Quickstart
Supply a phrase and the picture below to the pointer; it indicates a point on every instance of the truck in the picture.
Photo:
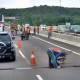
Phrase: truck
(14, 27)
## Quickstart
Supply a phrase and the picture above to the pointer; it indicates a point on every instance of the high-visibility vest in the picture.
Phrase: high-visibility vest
(56, 49)
(27, 30)
(49, 30)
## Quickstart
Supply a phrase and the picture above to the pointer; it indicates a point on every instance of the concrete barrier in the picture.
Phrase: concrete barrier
(70, 39)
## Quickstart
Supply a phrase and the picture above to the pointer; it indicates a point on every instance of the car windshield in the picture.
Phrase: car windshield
(5, 38)
(63, 27)
(75, 27)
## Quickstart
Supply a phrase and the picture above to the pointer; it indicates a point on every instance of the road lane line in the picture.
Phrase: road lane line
(39, 77)
(24, 56)
(15, 45)
(57, 45)
(27, 68)
(23, 68)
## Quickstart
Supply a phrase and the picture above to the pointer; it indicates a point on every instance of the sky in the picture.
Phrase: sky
(30, 3)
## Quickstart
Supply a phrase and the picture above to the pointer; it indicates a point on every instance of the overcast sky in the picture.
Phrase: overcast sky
(31, 3)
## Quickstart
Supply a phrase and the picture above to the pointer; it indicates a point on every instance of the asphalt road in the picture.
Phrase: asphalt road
(21, 69)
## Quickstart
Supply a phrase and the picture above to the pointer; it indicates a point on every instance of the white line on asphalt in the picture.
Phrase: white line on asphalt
(39, 77)
(24, 56)
(15, 45)
(23, 68)
(56, 45)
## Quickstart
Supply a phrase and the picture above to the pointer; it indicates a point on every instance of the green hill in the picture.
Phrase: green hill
(49, 15)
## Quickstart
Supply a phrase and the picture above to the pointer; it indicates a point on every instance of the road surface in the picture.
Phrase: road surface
(21, 69)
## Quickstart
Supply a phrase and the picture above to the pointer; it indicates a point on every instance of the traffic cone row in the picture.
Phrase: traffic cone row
(32, 59)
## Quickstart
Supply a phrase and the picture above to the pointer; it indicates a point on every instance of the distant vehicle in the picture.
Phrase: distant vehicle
(7, 49)
(63, 28)
(14, 28)
(27, 25)
(55, 29)
(43, 26)
(14, 25)
(75, 28)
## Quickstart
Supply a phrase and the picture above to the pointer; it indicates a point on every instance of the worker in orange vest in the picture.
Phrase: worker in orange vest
(49, 32)
(53, 54)
(27, 32)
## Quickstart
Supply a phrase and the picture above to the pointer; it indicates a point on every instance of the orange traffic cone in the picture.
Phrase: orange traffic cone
(19, 45)
(32, 60)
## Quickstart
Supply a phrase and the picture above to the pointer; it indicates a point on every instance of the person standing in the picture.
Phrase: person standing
(34, 29)
(38, 30)
(27, 32)
(49, 32)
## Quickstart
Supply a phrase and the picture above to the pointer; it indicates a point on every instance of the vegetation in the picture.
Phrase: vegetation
(49, 15)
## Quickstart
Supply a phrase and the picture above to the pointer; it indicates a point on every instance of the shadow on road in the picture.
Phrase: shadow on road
(74, 66)
(5, 61)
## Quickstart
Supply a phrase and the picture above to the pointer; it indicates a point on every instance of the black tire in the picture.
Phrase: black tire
(12, 58)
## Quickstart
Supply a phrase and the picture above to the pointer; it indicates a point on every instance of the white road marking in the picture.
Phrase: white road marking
(15, 45)
(26, 68)
(23, 68)
(24, 57)
(57, 45)
(39, 77)
(22, 54)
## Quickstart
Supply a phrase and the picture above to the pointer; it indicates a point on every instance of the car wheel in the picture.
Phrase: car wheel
(12, 57)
